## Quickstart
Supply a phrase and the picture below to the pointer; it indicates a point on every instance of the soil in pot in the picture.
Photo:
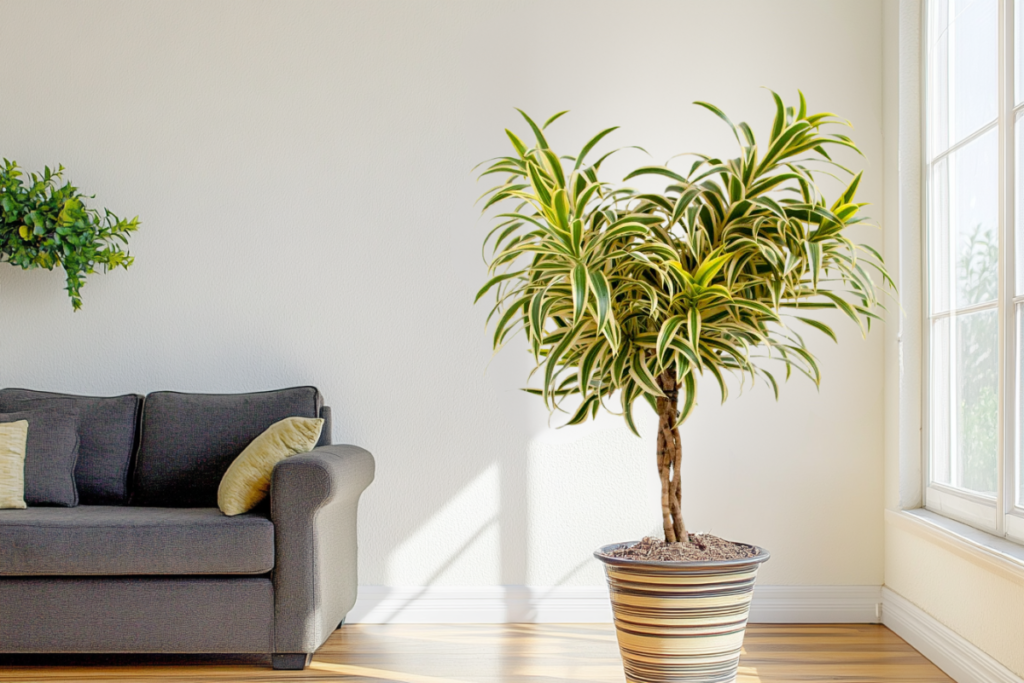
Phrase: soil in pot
(702, 547)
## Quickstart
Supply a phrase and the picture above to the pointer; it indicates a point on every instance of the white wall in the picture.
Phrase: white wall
(302, 171)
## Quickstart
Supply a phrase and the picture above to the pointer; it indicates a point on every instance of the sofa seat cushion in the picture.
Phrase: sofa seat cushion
(101, 540)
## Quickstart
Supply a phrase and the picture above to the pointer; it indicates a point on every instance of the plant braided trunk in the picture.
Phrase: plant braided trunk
(670, 455)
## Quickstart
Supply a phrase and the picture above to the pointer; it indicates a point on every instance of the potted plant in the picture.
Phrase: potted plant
(626, 295)
(45, 222)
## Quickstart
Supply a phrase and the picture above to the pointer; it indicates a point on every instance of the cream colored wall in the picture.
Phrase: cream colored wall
(984, 607)
(302, 171)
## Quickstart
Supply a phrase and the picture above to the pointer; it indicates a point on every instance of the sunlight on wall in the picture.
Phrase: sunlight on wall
(581, 477)
(456, 541)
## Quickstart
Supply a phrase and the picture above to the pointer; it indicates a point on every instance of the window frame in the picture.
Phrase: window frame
(1000, 515)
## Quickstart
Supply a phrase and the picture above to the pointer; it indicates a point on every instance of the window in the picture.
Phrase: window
(974, 149)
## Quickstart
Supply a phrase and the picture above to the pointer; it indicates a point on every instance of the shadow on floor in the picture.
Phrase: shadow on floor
(21, 660)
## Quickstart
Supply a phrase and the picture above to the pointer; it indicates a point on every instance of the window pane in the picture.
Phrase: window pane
(1018, 132)
(977, 396)
(974, 194)
(938, 81)
(938, 237)
(974, 34)
(1020, 405)
(963, 50)
(1018, 50)
(940, 399)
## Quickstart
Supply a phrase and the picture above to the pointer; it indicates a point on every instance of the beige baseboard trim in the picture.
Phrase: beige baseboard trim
(962, 661)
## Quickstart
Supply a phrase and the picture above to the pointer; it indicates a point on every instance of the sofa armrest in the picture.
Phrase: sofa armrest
(313, 499)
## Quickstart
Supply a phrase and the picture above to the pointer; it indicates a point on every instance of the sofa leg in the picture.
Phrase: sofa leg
(340, 624)
(291, 661)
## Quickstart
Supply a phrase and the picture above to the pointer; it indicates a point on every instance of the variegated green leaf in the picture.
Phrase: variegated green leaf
(693, 330)
(580, 289)
(667, 333)
(603, 296)
(642, 375)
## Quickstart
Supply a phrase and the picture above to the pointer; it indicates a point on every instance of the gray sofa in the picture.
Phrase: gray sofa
(146, 563)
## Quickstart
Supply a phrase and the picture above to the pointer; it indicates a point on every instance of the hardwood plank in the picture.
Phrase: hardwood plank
(504, 653)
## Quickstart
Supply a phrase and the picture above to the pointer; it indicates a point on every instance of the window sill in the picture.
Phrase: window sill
(997, 555)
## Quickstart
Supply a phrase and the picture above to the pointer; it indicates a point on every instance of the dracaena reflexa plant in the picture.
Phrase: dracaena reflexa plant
(639, 294)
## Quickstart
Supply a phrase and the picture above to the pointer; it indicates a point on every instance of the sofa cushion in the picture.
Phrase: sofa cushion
(247, 481)
(106, 432)
(51, 452)
(13, 436)
(108, 540)
(190, 440)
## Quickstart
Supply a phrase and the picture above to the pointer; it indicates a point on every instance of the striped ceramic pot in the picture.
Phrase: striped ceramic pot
(680, 621)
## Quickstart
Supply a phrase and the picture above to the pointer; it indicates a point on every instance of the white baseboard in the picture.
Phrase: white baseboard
(479, 605)
(816, 605)
(525, 604)
(963, 661)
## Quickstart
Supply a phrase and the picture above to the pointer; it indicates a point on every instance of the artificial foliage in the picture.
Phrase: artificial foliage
(625, 295)
(45, 222)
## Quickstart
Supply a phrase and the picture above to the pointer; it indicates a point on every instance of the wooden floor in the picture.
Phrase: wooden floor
(527, 653)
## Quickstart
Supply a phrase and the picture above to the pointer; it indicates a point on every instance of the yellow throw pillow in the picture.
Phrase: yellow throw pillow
(247, 481)
(13, 436)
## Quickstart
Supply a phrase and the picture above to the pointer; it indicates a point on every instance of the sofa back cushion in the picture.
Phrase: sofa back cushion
(190, 440)
(51, 453)
(106, 432)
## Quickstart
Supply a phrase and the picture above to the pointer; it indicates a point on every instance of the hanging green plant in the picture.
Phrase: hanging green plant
(45, 223)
